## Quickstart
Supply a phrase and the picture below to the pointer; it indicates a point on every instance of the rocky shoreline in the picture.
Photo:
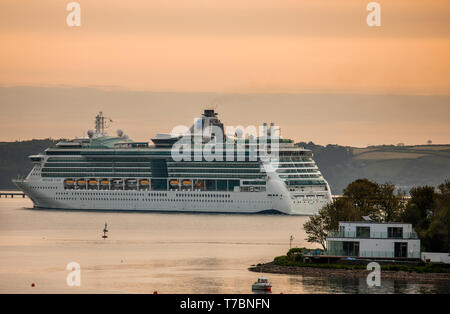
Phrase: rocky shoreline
(271, 267)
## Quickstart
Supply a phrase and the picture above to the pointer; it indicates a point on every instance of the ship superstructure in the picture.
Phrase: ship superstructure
(103, 172)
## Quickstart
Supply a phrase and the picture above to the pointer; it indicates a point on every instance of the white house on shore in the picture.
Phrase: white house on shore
(368, 239)
(435, 257)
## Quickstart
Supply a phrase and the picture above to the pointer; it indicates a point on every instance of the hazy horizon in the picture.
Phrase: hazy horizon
(346, 119)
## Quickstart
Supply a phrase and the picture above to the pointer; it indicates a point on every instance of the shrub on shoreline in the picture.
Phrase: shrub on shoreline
(428, 268)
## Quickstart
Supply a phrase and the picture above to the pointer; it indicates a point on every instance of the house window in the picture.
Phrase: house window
(363, 232)
(401, 249)
(395, 232)
(350, 248)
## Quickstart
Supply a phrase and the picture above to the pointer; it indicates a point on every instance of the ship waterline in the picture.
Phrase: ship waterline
(115, 173)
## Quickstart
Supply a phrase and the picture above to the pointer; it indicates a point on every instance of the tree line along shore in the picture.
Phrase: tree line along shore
(401, 272)
(427, 209)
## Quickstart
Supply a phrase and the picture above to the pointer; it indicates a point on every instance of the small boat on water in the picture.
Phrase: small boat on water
(262, 284)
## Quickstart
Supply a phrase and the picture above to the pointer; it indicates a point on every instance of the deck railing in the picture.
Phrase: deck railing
(372, 235)
(375, 254)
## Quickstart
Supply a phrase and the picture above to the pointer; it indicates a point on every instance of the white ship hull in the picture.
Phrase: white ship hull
(50, 194)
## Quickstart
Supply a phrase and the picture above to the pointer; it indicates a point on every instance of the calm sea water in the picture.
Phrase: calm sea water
(170, 253)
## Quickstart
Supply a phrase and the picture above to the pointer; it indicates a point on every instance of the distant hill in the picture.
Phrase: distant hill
(404, 166)
(14, 159)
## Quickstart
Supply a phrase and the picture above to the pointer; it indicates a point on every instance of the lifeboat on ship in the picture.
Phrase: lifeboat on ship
(131, 184)
(173, 182)
(199, 184)
(144, 184)
(104, 184)
(117, 184)
(186, 182)
(93, 184)
(69, 183)
(81, 183)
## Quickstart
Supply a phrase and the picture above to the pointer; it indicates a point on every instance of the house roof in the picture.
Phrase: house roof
(375, 222)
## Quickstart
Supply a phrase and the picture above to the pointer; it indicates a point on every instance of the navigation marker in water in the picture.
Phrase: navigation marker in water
(105, 230)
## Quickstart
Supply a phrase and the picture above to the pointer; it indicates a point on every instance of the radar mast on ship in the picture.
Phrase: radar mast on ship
(100, 124)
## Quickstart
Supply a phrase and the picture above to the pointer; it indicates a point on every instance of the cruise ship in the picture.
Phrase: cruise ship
(115, 173)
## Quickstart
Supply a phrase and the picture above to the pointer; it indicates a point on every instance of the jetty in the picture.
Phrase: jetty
(12, 194)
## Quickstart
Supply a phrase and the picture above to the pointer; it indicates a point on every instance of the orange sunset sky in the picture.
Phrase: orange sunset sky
(313, 67)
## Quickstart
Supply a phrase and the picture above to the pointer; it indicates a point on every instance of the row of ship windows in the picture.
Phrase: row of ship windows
(188, 195)
(309, 196)
(97, 164)
(236, 158)
(106, 175)
(150, 199)
(171, 200)
(308, 201)
(217, 175)
(197, 197)
(223, 152)
(44, 187)
(147, 166)
(107, 193)
(148, 170)
(305, 182)
(291, 176)
(216, 164)
(127, 161)
(143, 175)
(295, 170)
(50, 167)
(184, 195)
(166, 200)
(203, 195)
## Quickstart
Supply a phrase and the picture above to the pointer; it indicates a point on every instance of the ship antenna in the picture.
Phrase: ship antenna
(100, 123)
